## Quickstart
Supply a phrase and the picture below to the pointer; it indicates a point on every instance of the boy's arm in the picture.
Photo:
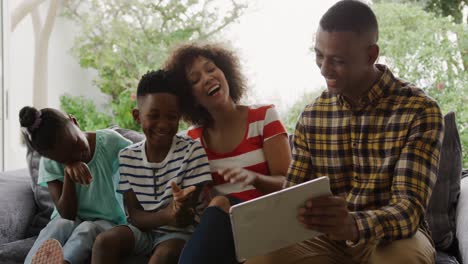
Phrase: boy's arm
(147, 220)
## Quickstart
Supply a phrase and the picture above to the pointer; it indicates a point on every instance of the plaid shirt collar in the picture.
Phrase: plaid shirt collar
(376, 92)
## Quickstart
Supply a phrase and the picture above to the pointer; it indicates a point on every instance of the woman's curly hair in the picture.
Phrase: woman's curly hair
(183, 57)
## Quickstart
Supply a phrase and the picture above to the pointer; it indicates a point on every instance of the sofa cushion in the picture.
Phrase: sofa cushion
(131, 135)
(15, 252)
(42, 197)
(16, 206)
(462, 220)
(443, 203)
(444, 258)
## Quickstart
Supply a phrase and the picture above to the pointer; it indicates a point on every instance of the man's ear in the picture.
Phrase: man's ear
(136, 115)
(373, 53)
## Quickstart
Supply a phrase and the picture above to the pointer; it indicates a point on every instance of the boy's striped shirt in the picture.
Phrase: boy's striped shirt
(186, 163)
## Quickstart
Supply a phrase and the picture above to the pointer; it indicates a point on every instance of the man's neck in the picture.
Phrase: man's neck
(363, 88)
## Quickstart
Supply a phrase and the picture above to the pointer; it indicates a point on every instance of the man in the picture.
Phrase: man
(378, 140)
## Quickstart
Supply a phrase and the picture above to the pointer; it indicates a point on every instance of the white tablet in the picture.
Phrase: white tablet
(268, 223)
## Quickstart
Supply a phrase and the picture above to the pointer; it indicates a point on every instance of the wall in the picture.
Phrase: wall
(64, 76)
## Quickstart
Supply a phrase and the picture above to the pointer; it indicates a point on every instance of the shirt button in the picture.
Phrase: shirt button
(354, 144)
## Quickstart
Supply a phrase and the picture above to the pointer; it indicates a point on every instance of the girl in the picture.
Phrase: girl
(80, 170)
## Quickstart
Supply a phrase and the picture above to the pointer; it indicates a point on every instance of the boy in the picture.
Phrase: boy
(151, 172)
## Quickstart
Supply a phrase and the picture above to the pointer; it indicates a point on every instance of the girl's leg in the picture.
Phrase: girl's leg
(59, 229)
(212, 241)
(79, 245)
(167, 252)
(112, 245)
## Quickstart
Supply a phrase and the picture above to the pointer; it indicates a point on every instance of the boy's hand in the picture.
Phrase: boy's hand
(182, 206)
(78, 172)
(234, 175)
(181, 195)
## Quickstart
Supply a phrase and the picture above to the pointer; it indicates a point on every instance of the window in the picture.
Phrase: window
(2, 109)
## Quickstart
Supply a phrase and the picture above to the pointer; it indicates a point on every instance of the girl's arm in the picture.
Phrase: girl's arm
(64, 194)
(64, 197)
(277, 155)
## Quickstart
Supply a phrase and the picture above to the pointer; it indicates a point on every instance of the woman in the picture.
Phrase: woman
(247, 146)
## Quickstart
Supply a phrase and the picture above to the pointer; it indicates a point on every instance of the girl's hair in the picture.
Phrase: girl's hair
(182, 58)
(42, 127)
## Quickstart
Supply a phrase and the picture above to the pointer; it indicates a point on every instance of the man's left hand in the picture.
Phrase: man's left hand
(329, 215)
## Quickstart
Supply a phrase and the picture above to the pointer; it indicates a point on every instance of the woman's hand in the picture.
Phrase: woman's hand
(234, 175)
(78, 172)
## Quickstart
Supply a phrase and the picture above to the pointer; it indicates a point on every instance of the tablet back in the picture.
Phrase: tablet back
(270, 222)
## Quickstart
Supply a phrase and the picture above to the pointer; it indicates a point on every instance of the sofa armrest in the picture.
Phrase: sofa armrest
(17, 206)
(462, 220)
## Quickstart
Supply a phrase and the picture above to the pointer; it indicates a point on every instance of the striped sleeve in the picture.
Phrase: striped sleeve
(124, 184)
(272, 125)
(198, 168)
(413, 180)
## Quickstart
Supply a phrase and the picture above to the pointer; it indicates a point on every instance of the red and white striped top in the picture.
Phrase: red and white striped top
(263, 124)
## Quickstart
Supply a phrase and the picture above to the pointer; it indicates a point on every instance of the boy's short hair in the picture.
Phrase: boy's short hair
(160, 81)
(350, 15)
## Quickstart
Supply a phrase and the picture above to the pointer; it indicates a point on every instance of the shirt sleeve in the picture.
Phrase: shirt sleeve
(414, 178)
(272, 125)
(198, 168)
(118, 143)
(124, 184)
(299, 170)
(49, 170)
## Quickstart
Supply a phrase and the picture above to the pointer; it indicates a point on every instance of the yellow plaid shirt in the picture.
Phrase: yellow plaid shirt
(382, 155)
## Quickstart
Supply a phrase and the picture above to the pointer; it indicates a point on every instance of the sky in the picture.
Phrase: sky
(274, 41)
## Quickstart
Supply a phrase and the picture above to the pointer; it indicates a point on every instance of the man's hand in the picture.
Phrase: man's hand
(329, 215)
(183, 210)
(78, 172)
(234, 175)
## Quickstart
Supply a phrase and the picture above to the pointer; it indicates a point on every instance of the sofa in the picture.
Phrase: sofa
(25, 207)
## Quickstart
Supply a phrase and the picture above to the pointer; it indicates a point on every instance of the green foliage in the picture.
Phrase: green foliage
(446, 8)
(123, 106)
(431, 52)
(90, 119)
(122, 40)
(293, 114)
(85, 112)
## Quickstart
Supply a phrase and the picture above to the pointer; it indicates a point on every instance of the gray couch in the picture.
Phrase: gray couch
(25, 207)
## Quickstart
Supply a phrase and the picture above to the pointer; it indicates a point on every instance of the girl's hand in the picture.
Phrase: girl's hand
(234, 175)
(78, 172)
